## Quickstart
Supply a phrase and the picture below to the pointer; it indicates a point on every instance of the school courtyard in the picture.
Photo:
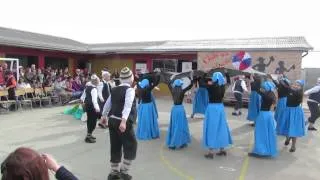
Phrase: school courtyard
(49, 130)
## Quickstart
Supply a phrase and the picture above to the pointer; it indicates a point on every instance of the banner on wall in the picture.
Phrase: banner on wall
(141, 67)
(284, 62)
(186, 66)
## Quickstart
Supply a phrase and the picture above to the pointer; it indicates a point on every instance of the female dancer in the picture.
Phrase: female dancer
(178, 131)
(216, 134)
(292, 123)
(255, 99)
(201, 99)
(265, 137)
(148, 127)
(283, 88)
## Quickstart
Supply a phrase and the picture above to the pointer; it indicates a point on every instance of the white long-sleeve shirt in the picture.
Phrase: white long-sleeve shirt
(100, 88)
(94, 96)
(312, 90)
(243, 85)
(130, 94)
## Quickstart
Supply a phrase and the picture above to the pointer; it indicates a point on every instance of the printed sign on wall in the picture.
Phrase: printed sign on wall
(186, 66)
(141, 67)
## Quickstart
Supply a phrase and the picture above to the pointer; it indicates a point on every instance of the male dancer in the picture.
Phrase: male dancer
(238, 89)
(90, 100)
(104, 91)
(120, 110)
(313, 104)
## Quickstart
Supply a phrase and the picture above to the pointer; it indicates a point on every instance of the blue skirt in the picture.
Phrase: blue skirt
(281, 106)
(254, 106)
(154, 104)
(265, 137)
(200, 101)
(216, 132)
(291, 122)
(147, 127)
(178, 130)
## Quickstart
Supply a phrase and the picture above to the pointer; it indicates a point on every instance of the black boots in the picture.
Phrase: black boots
(90, 139)
(119, 176)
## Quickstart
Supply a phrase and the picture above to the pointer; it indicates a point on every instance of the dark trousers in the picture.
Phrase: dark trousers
(238, 104)
(92, 120)
(119, 142)
(314, 110)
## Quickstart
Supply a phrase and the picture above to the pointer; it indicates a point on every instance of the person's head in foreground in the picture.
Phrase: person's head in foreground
(27, 164)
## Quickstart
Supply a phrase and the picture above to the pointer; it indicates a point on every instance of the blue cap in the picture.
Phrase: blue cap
(177, 83)
(268, 86)
(218, 77)
(144, 83)
(301, 82)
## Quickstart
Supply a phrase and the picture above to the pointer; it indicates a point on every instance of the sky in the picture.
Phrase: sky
(103, 21)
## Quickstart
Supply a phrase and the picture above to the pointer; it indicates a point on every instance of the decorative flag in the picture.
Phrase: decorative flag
(241, 60)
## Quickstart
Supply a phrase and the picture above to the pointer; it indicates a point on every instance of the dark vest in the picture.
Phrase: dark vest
(118, 96)
(315, 96)
(238, 86)
(88, 100)
(105, 91)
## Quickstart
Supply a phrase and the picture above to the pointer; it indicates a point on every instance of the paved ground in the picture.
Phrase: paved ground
(48, 130)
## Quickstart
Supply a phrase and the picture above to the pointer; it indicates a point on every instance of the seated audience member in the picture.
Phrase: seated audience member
(29, 76)
(22, 84)
(66, 73)
(77, 87)
(27, 164)
(48, 82)
(60, 90)
(1, 76)
(40, 76)
(77, 73)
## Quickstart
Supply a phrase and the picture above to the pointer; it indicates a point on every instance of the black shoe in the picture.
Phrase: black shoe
(114, 176)
(252, 124)
(192, 116)
(312, 128)
(89, 140)
(172, 148)
(102, 126)
(183, 146)
(125, 176)
(253, 155)
(234, 114)
(240, 113)
(287, 142)
(292, 149)
(209, 156)
(93, 137)
(221, 153)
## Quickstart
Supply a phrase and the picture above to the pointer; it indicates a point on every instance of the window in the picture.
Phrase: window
(165, 64)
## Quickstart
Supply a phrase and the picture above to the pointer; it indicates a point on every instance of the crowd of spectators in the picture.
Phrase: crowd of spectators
(64, 84)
